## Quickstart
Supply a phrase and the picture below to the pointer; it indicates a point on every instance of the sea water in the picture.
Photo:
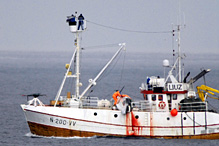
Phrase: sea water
(42, 72)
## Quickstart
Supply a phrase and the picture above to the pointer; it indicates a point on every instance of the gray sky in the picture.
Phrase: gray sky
(40, 25)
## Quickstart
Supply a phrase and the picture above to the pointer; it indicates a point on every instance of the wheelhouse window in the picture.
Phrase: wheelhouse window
(160, 97)
(145, 97)
(153, 97)
(174, 96)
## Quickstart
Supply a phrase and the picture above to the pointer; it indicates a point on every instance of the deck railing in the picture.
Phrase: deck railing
(193, 106)
(142, 105)
(94, 102)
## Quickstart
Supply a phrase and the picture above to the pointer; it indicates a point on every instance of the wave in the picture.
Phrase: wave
(29, 134)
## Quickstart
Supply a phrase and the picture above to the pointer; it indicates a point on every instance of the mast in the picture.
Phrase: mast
(77, 69)
(177, 62)
(179, 56)
(77, 25)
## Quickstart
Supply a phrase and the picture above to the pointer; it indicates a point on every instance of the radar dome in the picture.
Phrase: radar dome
(166, 63)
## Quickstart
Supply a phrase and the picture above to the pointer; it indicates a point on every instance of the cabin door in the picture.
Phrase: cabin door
(169, 98)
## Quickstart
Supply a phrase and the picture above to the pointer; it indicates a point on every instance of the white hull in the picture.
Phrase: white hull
(63, 121)
(170, 108)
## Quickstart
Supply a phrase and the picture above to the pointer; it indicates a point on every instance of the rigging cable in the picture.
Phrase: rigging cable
(102, 46)
(107, 71)
(122, 70)
(197, 122)
(114, 63)
(126, 30)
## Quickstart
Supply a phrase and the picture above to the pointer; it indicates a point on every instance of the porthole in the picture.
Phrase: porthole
(168, 118)
(136, 117)
(95, 114)
(184, 118)
(115, 115)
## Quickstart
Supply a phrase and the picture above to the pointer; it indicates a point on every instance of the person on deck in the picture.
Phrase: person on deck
(81, 22)
(115, 95)
(71, 20)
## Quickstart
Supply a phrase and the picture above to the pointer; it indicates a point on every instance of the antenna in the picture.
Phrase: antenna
(179, 55)
(179, 26)
(177, 66)
(184, 19)
(179, 7)
(173, 42)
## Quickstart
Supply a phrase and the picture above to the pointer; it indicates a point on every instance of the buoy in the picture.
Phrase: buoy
(67, 66)
(69, 73)
(174, 112)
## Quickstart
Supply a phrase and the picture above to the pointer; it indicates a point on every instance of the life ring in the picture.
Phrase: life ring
(162, 105)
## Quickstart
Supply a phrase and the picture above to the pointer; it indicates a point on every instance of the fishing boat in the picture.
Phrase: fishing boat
(170, 107)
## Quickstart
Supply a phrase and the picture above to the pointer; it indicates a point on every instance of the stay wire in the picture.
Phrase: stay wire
(106, 73)
(126, 30)
(121, 74)
(197, 122)
(122, 70)
(101, 46)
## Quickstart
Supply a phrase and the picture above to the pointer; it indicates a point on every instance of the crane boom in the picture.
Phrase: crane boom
(207, 89)
(93, 81)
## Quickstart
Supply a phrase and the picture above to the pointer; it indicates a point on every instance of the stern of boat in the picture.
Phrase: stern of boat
(22, 106)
